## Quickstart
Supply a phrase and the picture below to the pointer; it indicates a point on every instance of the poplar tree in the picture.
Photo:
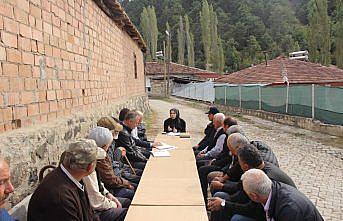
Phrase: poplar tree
(169, 45)
(339, 34)
(149, 29)
(145, 27)
(181, 42)
(153, 30)
(319, 32)
(205, 31)
(189, 43)
(221, 60)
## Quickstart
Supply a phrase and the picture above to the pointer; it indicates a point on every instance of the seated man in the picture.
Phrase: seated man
(139, 131)
(62, 195)
(116, 154)
(117, 185)
(137, 155)
(209, 131)
(216, 146)
(103, 202)
(6, 188)
(237, 202)
(280, 201)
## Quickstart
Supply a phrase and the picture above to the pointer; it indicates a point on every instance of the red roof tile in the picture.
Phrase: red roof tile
(297, 72)
(156, 68)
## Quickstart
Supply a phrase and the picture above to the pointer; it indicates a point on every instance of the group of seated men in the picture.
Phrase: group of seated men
(96, 177)
(244, 177)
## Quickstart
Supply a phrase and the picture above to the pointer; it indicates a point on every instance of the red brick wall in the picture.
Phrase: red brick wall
(59, 57)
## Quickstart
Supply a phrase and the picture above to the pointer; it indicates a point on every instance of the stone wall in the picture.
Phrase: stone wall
(63, 65)
(29, 149)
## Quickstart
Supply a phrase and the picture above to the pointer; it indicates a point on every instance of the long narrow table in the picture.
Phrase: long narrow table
(169, 188)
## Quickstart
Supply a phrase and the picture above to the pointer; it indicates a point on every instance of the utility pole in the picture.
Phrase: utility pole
(165, 69)
(168, 62)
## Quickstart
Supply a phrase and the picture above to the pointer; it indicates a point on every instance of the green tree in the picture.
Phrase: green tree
(149, 29)
(221, 56)
(205, 31)
(254, 50)
(169, 44)
(145, 27)
(339, 34)
(181, 42)
(153, 30)
(190, 43)
(319, 32)
(233, 57)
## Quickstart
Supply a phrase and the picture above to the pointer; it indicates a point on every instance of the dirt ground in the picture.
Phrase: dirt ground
(313, 160)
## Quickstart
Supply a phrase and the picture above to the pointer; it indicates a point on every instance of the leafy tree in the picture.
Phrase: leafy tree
(254, 50)
(233, 57)
(181, 42)
(205, 31)
(190, 43)
(150, 31)
(339, 34)
(319, 32)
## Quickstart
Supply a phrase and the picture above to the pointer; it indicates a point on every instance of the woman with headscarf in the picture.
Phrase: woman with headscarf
(174, 123)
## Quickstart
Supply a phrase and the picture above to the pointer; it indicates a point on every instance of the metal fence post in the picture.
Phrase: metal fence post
(287, 97)
(240, 96)
(313, 101)
(225, 95)
(259, 98)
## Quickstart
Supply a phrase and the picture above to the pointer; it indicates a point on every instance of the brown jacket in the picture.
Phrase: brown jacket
(106, 173)
(57, 198)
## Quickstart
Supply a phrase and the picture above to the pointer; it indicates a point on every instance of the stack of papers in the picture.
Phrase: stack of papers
(165, 146)
(173, 134)
(160, 153)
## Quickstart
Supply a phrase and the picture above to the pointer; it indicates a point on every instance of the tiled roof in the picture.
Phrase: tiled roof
(157, 68)
(115, 11)
(296, 71)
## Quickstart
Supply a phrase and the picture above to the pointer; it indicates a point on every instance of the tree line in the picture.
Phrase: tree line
(226, 36)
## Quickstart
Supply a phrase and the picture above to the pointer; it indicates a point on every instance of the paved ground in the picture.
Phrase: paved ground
(313, 160)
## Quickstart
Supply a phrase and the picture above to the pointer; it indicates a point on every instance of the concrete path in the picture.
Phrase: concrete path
(313, 160)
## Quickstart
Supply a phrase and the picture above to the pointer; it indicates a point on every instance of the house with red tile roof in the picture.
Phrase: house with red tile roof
(179, 74)
(278, 70)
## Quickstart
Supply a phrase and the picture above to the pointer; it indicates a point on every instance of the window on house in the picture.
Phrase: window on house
(135, 65)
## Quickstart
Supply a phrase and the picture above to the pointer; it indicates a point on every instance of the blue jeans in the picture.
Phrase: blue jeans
(237, 217)
(123, 193)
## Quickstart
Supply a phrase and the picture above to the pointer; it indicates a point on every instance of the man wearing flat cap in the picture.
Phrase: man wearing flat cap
(62, 194)
(209, 131)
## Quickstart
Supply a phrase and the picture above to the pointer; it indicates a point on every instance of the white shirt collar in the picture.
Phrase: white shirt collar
(267, 205)
(77, 183)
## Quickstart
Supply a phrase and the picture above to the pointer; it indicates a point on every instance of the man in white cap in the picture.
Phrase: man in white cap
(62, 194)
(106, 206)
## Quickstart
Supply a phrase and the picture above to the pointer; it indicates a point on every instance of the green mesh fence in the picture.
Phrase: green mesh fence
(328, 101)
(328, 104)
(220, 95)
(274, 99)
(250, 97)
(232, 96)
(300, 101)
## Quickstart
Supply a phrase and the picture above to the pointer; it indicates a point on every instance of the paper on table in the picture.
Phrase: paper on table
(173, 134)
(160, 153)
(165, 146)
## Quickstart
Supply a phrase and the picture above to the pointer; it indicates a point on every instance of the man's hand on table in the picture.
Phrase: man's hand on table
(156, 143)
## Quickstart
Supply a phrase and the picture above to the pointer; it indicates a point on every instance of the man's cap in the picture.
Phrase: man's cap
(213, 110)
(85, 151)
(109, 123)
(101, 135)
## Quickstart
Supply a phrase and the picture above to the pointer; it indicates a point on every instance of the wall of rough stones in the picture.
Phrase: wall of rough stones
(63, 65)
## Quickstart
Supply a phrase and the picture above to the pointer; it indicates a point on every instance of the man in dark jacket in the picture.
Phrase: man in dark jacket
(281, 202)
(209, 131)
(62, 195)
(234, 199)
(137, 155)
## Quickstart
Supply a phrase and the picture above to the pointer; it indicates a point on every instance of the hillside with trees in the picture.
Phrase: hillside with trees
(228, 35)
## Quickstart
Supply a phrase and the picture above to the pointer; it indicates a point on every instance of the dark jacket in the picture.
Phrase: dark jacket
(209, 135)
(133, 152)
(266, 152)
(107, 176)
(178, 123)
(215, 139)
(287, 203)
(239, 202)
(224, 158)
(141, 132)
(58, 198)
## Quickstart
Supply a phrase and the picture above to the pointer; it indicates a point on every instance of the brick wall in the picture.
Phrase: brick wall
(63, 65)
(59, 57)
